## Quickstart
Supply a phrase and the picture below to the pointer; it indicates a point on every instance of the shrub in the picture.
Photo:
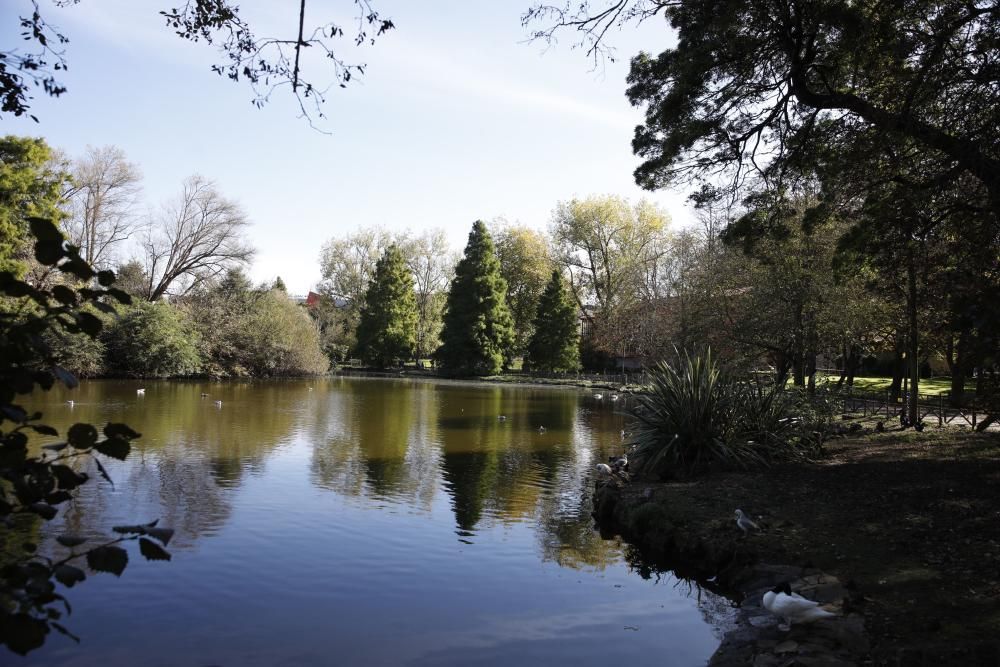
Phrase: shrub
(152, 340)
(698, 416)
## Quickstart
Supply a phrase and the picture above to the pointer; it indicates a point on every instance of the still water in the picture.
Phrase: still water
(364, 522)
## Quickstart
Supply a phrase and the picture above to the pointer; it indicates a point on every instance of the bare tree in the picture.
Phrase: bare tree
(103, 199)
(199, 236)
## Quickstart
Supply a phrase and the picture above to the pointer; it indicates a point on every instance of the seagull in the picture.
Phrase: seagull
(603, 470)
(310, 388)
(620, 463)
(745, 524)
(502, 418)
(70, 403)
(218, 404)
(141, 392)
(541, 429)
(598, 396)
(792, 607)
(623, 434)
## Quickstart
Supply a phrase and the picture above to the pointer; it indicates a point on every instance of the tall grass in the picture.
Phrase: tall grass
(698, 416)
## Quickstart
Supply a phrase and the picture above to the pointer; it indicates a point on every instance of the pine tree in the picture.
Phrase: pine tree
(279, 285)
(478, 334)
(555, 345)
(387, 328)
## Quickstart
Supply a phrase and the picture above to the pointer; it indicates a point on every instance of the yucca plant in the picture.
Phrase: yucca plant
(689, 421)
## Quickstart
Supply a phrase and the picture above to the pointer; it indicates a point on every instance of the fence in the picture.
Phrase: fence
(972, 412)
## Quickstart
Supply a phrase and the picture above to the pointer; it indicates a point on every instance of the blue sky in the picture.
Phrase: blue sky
(456, 120)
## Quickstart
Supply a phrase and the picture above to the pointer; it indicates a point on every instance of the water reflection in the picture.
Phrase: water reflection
(344, 511)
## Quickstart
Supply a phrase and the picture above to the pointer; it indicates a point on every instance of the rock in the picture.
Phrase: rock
(787, 647)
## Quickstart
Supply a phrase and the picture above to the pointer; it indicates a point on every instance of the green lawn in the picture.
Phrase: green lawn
(928, 386)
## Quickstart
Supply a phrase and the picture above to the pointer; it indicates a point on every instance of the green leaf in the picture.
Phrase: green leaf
(49, 252)
(161, 534)
(90, 323)
(64, 295)
(151, 550)
(104, 473)
(108, 559)
(114, 430)
(68, 575)
(43, 510)
(44, 229)
(78, 268)
(22, 633)
(116, 448)
(82, 436)
(70, 541)
(67, 477)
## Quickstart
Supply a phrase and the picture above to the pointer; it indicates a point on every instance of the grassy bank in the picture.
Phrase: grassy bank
(909, 519)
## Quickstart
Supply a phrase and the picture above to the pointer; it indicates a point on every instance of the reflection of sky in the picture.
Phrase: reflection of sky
(320, 547)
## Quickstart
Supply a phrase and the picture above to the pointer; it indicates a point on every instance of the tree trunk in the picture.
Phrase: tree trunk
(912, 338)
(897, 365)
(853, 362)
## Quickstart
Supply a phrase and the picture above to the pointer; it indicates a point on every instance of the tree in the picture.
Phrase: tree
(478, 334)
(102, 202)
(388, 322)
(30, 184)
(199, 236)
(526, 264)
(609, 249)
(131, 278)
(753, 85)
(279, 285)
(555, 343)
(265, 63)
(432, 264)
(152, 340)
(37, 480)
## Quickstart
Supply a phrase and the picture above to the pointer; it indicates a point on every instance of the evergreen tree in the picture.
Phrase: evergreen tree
(388, 325)
(279, 285)
(555, 345)
(478, 334)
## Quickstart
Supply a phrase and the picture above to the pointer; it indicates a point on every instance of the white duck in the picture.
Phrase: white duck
(792, 607)
(140, 392)
(598, 396)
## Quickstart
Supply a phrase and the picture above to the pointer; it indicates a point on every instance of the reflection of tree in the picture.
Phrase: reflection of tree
(191, 456)
(377, 436)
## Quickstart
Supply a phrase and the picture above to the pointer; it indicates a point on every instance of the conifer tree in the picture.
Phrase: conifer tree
(387, 328)
(478, 334)
(555, 345)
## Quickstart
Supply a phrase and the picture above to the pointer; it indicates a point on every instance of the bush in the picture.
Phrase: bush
(698, 416)
(152, 340)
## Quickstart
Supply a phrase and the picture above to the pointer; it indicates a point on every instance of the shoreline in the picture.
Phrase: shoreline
(884, 528)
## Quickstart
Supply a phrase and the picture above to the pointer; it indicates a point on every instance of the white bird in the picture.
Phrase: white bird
(623, 434)
(502, 418)
(204, 395)
(792, 607)
(140, 392)
(603, 470)
(745, 524)
(70, 403)
(614, 397)
(218, 404)
(598, 396)
(541, 429)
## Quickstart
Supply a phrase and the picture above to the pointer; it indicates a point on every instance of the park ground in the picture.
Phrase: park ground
(909, 520)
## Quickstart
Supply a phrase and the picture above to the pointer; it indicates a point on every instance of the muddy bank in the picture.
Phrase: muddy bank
(906, 523)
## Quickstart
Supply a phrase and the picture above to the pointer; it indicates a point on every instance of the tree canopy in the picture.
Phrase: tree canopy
(388, 324)
(478, 335)
(555, 343)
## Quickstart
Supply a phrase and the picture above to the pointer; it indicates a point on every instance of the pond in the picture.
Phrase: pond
(357, 521)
